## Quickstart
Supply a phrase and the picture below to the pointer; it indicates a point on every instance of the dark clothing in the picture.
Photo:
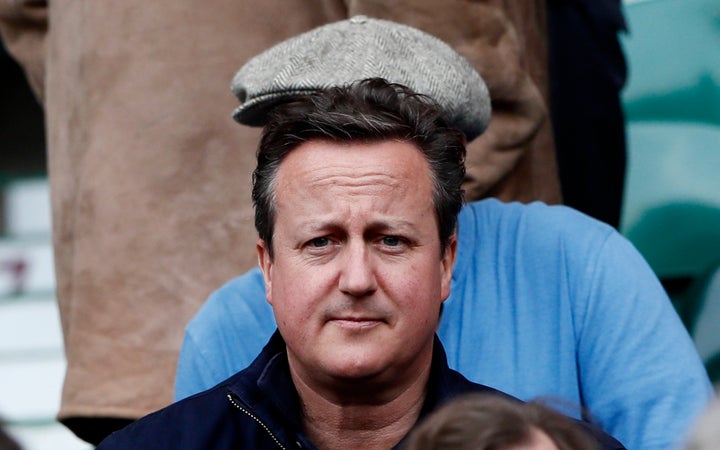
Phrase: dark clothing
(259, 408)
(587, 73)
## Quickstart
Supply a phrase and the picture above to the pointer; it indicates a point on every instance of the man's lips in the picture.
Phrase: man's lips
(351, 315)
(356, 322)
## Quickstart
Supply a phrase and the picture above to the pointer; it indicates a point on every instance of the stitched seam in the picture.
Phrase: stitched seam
(255, 418)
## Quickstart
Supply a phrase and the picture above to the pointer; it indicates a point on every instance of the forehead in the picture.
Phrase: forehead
(366, 167)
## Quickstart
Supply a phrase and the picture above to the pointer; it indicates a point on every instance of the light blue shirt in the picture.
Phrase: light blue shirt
(545, 302)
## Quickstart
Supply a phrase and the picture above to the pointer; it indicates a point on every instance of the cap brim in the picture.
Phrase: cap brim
(255, 111)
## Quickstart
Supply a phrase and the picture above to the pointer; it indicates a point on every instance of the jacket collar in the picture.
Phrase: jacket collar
(266, 386)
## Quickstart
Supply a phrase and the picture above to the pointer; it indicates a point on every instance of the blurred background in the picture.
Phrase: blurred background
(671, 206)
(32, 362)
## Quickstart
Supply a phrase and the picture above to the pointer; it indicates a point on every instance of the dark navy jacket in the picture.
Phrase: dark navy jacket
(259, 408)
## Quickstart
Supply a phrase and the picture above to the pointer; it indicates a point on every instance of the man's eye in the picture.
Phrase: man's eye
(391, 241)
(320, 242)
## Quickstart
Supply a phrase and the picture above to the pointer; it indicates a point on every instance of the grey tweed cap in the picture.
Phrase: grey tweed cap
(342, 52)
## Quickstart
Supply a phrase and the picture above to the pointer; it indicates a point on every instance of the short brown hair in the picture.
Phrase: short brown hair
(367, 111)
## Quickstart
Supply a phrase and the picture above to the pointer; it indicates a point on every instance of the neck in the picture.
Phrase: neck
(374, 419)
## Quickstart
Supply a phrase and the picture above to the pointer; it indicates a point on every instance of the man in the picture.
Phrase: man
(357, 192)
(544, 301)
(142, 156)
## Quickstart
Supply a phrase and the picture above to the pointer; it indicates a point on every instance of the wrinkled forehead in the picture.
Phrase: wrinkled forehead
(395, 161)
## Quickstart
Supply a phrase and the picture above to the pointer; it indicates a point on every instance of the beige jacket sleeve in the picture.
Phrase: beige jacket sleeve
(506, 41)
(23, 28)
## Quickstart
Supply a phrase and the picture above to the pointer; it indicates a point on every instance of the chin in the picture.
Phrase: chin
(357, 369)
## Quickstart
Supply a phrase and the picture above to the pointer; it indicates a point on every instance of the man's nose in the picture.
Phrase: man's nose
(357, 277)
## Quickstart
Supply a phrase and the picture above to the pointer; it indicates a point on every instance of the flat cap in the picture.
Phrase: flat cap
(341, 53)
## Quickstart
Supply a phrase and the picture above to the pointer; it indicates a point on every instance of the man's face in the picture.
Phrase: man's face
(357, 278)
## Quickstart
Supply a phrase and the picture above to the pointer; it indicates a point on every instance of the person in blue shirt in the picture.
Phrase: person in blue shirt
(544, 301)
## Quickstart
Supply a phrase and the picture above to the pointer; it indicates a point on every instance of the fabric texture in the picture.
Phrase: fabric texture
(361, 47)
(545, 302)
(259, 408)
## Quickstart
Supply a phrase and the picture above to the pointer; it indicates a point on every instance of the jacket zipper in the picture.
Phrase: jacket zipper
(255, 418)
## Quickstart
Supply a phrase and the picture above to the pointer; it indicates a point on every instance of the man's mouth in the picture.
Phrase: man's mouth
(356, 323)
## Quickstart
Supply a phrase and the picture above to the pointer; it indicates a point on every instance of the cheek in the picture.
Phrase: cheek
(418, 289)
(295, 294)
(429, 277)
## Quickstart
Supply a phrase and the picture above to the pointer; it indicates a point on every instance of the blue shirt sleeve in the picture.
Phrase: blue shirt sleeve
(547, 302)
(225, 336)
(639, 370)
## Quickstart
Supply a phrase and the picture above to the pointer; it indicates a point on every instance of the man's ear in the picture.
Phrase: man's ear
(265, 262)
(447, 264)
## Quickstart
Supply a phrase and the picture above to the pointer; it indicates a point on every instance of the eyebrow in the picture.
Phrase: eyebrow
(373, 226)
(401, 225)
